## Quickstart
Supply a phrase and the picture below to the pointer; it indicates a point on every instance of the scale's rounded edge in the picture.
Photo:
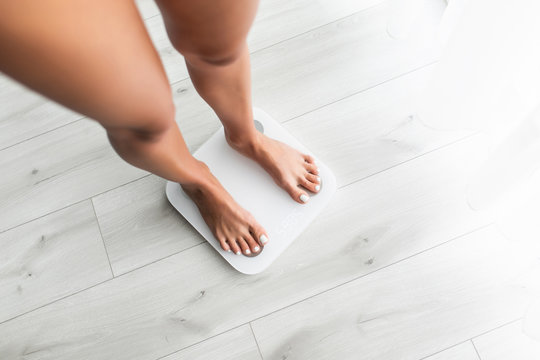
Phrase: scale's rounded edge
(169, 188)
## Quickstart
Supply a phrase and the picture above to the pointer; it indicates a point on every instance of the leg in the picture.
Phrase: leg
(95, 57)
(218, 63)
(88, 56)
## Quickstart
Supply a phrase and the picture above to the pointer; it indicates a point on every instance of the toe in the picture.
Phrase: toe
(243, 245)
(309, 159)
(313, 178)
(259, 234)
(309, 185)
(253, 245)
(312, 168)
(297, 194)
(234, 246)
(223, 242)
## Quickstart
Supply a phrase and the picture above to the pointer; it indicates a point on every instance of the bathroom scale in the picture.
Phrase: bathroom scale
(253, 188)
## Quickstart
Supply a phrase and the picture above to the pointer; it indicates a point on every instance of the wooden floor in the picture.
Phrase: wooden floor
(95, 264)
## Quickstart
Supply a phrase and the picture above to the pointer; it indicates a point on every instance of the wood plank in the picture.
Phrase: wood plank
(507, 342)
(334, 61)
(236, 344)
(49, 258)
(57, 169)
(26, 114)
(463, 351)
(140, 225)
(406, 311)
(354, 137)
(372, 130)
(193, 295)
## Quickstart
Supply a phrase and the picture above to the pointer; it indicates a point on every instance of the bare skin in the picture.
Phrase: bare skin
(45, 45)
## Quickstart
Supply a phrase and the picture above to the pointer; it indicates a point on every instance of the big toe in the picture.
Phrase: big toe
(296, 193)
(259, 234)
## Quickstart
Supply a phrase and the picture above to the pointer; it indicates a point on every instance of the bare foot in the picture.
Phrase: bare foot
(289, 168)
(232, 225)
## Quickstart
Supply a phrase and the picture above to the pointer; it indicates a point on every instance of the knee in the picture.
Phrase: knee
(147, 122)
(219, 57)
(218, 54)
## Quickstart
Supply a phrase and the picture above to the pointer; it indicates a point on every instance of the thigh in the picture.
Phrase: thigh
(208, 27)
(93, 56)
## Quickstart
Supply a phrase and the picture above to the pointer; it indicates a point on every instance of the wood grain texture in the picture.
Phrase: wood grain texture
(26, 114)
(507, 342)
(49, 258)
(191, 296)
(57, 169)
(463, 351)
(140, 226)
(236, 344)
(372, 130)
(440, 297)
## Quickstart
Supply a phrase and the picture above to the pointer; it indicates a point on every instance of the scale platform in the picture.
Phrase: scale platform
(253, 188)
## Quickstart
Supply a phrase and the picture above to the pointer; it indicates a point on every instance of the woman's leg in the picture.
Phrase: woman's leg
(211, 34)
(95, 57)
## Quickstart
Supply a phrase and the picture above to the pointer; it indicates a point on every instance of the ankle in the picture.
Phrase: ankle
(201, 179)
(247, 142)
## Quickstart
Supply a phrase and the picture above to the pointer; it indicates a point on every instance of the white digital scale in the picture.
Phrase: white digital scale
(253, 188)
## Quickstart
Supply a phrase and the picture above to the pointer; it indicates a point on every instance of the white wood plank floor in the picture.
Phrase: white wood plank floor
(95, 264)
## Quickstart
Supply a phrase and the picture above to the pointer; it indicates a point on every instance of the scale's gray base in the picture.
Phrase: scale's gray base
(251, 186)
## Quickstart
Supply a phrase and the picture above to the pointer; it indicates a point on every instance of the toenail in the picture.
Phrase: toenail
(229, 250)
(263, 239)
(256, 248)
(318, 178)
(247, 251)
(317, 169)
(238, 252)
(304, 198)
(318, 187)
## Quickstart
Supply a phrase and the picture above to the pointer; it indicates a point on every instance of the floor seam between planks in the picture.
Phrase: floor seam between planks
(43, 133)
(256, 342)
(495, 328)
(362, 90)
(472, 339)
(476, 350)
(72, 204)
(413, 158)
(52, 302)
(442, 350)
(102, 239)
